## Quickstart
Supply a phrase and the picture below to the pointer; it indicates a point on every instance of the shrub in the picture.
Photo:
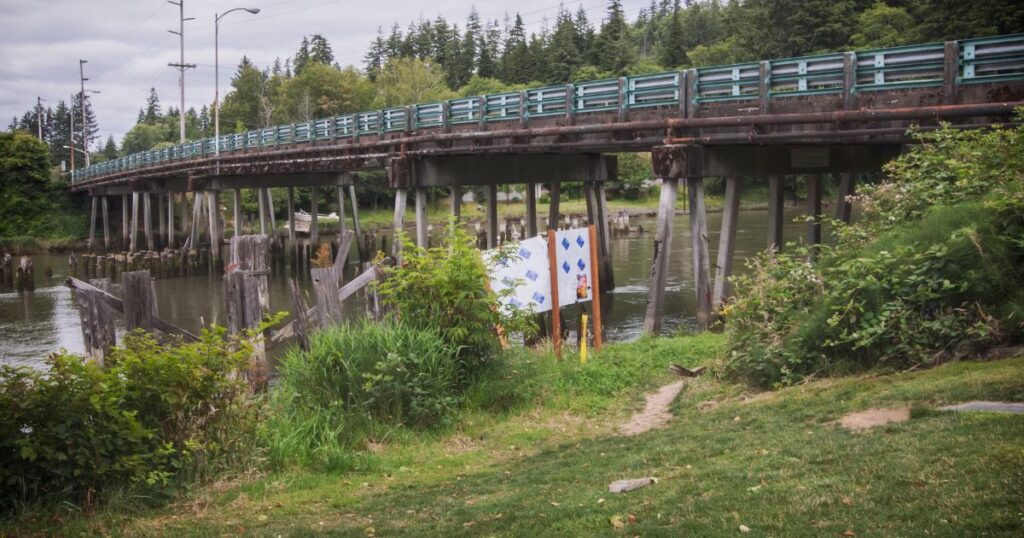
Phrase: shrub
(932, 271)
(155, 417)
(444, 289)
(355, 382)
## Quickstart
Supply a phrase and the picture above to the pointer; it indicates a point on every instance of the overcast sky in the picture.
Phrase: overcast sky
(128, 47)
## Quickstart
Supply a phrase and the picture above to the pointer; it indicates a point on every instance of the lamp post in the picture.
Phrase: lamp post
(216, 73)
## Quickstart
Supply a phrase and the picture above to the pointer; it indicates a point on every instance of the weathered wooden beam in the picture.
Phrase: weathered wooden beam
(302, 325)
(124, 221)
(161, 219)
(357, 283)
(139, 300)
(261, 203)
(492, 216)
(291, 214)
(314, 221)
(814, 209)
(216, 234)
(118, 305)
(134, 242)
(236, 195)
(775, 207)
(701, 258)
(170, 220)
(344, 245)
(421, 217)
(147, 221)
(662, 248)
(604, 236)
(398, 223)
(356, 226)
(341, 209)
(325, 289)
(847, 187)
(456, 200)
(726, 241)
(92, 222)
(531, 210)
(106, 225)
(554, 195)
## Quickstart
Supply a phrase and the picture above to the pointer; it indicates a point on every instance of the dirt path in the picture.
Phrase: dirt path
(655, 413)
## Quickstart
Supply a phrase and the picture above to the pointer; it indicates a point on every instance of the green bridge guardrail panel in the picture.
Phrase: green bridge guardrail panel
(980, 60)
(992, 59)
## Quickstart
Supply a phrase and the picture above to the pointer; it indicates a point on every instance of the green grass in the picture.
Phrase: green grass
(771, 462)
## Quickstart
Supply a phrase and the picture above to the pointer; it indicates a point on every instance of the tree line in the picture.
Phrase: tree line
(433, 59)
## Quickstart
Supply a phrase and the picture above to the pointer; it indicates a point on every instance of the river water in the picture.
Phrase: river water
(35, 324)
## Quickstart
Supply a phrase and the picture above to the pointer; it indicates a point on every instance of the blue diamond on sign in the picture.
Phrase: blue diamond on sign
(538, 298)
(580, 264)
(524, 253)
(579, 240)
(566, 266)
(532, 275)
(565, 243)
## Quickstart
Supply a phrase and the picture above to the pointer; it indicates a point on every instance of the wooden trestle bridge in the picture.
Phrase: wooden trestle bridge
(842, 113)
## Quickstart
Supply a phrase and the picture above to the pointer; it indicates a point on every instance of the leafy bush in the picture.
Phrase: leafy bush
(156, 416)
(355, 382)
(444, 289)
(932, 271)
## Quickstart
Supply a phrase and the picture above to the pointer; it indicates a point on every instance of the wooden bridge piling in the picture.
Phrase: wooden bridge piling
(662, 248)
(398, 222)
(291, 214)
(269, 198)
(106, 224)
(170, 219)
(314, 222)
(356, 226)
(607, 272)
(701, 259)
(124, 222)
(147, 221)
(492, 215)
(341, 209)
(847, 184)
(161, 219)
(726, 241)
(139, 300)
(776, 183)
(456, 201)
(236, 198)
(814, 211)
(134, 228)
(92, 222)
(531, 210)
(422, 234)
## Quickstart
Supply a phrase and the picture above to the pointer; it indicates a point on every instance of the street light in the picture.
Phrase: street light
(216, 75)
(73, 149)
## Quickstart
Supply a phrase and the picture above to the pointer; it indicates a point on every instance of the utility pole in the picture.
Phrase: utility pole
(71, 132)
(181, 66)
(81, 103)
(39, 116)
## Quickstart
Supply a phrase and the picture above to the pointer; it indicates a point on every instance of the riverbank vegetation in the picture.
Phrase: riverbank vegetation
(932, 271)
(37, 209)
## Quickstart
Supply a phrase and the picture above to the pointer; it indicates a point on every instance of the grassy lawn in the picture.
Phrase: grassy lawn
(770, 462)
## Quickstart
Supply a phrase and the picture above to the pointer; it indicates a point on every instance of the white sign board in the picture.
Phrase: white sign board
(524, 268)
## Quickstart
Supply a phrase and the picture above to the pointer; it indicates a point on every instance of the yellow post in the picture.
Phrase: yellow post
(583, 339)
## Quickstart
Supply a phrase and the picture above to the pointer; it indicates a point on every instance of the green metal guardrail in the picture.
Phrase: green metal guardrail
(981, 60)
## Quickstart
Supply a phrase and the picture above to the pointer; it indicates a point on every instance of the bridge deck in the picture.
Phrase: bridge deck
(863, 97)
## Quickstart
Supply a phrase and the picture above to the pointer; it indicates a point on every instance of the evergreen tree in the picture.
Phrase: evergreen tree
(563, 57)
(91, 125)
(110, 149)
(301, 57)
(374, 58)
(672, 51)
(320, 50)
(152, 111)
(514, 59)
(613, 45)
(490, 43)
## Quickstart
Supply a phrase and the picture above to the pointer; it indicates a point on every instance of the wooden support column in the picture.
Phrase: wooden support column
(106, 225)
(134, 229)
(170, 220)
(814, 209)
(701, 258)
(775, 193)
(147, 221)
(124, 221)
(291, 214)
(139, 300)
(726, 241)
(314, 220)
(161, 218)
(398, 223)
(216, 235)
(662, 247)
(341, 211)
(185, 231)
(261, 203)
(554, 194)
(92, 221)
(236, 196)
(456, 195)
(604, 236)
(492, 215)
(270, 210)
(531, 210)
(847, 186)
(356, 227)
(421, 217)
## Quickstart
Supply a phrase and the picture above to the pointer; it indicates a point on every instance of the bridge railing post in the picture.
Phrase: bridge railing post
(950, 72)
(849, 80)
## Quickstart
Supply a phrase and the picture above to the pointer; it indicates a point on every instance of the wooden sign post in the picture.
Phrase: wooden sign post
(556, 318)
(595, 288)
